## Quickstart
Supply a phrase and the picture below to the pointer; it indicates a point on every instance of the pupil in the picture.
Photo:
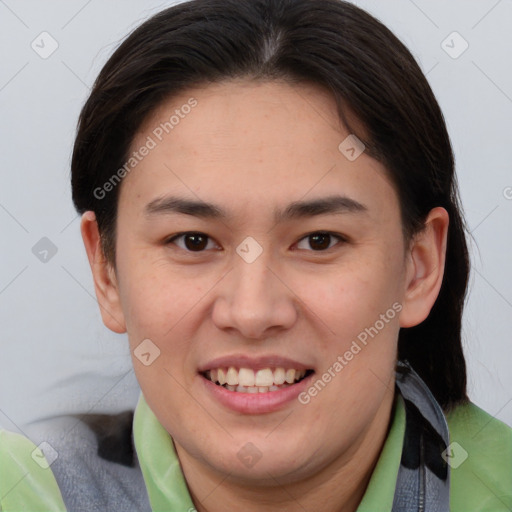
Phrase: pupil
(319, 241)
(195, 242)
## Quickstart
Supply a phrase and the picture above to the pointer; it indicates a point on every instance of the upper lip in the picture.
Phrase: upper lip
(255, 363)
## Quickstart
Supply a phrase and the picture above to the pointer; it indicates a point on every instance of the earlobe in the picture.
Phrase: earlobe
(425, 262)
(105, 282)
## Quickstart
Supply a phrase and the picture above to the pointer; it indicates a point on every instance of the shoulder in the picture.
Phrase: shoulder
(26, 482)
(86, 465)
(480, 457)
(95, 469)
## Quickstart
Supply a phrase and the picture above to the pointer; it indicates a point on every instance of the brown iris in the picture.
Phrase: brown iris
(320, 241)
(195, 242)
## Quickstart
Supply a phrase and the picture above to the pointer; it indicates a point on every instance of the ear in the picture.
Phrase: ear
(425, 268)
(105, 281)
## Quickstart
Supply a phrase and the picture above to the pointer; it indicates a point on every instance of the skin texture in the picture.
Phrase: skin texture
(251, 148)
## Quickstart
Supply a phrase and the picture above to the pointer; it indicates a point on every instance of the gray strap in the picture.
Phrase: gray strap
(423, 481)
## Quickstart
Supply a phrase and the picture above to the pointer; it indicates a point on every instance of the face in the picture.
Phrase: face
(254, 254)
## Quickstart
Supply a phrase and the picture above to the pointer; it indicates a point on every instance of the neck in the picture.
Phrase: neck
(337, 487)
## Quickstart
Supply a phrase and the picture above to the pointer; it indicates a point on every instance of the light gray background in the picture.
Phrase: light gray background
(55, 354)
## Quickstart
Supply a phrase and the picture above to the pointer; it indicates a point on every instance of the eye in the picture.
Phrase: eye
(320, 241)
(192, 241)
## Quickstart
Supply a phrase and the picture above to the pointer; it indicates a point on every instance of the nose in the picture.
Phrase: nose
(254, 300)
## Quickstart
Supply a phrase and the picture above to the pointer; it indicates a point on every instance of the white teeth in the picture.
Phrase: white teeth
(232, 376)
(246, 377)
(246, 380)
(255, 389)
(279, 376)
(290, 376)
(264, 377)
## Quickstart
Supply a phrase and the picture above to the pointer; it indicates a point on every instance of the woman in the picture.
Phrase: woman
(270, 212)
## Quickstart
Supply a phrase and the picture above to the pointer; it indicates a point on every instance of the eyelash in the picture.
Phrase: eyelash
(340, 238)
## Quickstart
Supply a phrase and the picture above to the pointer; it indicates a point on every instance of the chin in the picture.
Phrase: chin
(260, 463)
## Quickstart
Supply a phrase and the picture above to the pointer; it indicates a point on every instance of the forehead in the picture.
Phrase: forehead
(251, 143)
(226, 113)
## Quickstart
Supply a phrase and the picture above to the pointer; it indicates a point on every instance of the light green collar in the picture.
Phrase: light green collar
(167, 489)
(381, 488)
(165, 483)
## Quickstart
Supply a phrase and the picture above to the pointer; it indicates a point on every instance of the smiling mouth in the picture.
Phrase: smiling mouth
(246, 380)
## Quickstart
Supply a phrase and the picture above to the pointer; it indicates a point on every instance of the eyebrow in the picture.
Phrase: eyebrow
(335, 204)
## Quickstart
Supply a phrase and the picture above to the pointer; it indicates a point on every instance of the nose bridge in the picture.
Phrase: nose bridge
(253, 300)
(251, 272)
(252, 281)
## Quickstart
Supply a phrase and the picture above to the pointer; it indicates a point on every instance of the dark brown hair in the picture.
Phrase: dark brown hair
(327, 42)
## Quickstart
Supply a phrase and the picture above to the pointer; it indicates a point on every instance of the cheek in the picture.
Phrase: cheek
(358, 355)
(166, 307)
(153, 298)
(353, 296)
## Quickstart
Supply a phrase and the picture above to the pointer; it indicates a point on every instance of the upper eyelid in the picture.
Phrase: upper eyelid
(324, 232)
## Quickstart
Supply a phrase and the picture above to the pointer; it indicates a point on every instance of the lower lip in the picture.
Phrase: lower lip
(256, 403)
